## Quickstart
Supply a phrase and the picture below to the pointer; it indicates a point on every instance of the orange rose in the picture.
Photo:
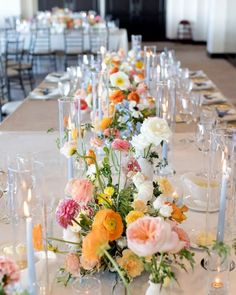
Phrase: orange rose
(65, 121)
(141, 76)
(105, 123)
(93, 245)
(92, 158)
(115, 62)
(178, 212)
(117, 96)
(38, 237)
(134, 96)
(113, 70)
(109, 221)
(89, 88)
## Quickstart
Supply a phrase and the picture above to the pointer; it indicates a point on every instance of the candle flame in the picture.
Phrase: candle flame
(158, 69)
(148, 54)
(26, 209)
(102, 50)
(69, 122)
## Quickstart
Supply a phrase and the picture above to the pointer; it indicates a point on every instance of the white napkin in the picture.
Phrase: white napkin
(41, 94)
(57, 77)
(212, 98)
(205, 85)
(197, 74)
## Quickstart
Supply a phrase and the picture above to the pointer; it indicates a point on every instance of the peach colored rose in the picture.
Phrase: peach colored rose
(120, 145)
(96, 142)
(81, 190)
(72, 263)
(111, 132)
(142, 88)
(149, 235)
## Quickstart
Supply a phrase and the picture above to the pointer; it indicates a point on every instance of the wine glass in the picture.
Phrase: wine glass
(64, 88)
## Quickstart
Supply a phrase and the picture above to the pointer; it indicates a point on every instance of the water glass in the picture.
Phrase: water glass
(64, 88)
(136, 43)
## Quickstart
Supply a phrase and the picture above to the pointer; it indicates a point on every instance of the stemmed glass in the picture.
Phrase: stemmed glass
(87, 285)
(64, 88)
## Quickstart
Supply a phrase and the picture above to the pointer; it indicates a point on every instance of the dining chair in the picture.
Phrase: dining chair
(12, 57)
(73, 44)
(98, 37)
(42, 46)
(6, 107)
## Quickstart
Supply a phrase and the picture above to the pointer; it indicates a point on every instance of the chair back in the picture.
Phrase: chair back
(42, 41)
(14, 47)
(74, 41)
(98, 37)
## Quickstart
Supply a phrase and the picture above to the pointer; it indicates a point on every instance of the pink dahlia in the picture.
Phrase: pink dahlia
(9, 271)
(66, 211)
(120, 145)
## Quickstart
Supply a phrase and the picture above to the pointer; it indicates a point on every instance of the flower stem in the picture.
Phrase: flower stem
(118, 270)
(119, 172)
(62, 241)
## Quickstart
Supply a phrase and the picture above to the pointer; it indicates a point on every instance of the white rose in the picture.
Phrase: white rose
(145, 191)
(91, 172)
(139, 142)
(138, 179)
(158, 203)
(70, 236)
(155, 130)
(69, 149)
(120, 80)
(166, 210)
(122, 242)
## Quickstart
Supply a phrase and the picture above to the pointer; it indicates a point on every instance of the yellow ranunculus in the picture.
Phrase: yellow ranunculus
(109, 191)
(104, 199)
(133, 216)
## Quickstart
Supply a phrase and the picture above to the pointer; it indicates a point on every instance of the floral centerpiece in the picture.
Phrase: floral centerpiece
(123, 220)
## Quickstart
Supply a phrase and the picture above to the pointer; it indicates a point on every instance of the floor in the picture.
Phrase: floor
(194, 57)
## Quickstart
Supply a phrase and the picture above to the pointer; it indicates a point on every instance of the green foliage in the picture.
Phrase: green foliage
(189, 256)
(221, 249)
(124, 201)
(64, 277)
(156, 189)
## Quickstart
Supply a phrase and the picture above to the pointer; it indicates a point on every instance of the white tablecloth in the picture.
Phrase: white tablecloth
(118, 38)
(183, 158)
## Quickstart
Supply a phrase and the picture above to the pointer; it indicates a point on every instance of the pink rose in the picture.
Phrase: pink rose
(149, 235)
(9, 270)
(111, 132)
(183, 236)
(120, 145)
(81, 190)
(141, 89)
(72, 263)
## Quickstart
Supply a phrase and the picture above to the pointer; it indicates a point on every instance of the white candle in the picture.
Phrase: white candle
(70, 159)
(94, 91)
(79, 139)
(148, 68)
(30, 250)
(221, 218)
(165, 151)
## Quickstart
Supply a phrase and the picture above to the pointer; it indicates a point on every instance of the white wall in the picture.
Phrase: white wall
(29, 8)
(196, 11)
(222, 27)
(9, 8)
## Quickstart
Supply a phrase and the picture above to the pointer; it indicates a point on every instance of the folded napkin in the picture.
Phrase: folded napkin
(226, 115)
(197, 74)
(57, 77)
(204, 85)
(46, 93)
(212, 98)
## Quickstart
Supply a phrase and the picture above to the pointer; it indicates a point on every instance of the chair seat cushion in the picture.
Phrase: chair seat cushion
(9, 107)
(12, 72)
(23, 66)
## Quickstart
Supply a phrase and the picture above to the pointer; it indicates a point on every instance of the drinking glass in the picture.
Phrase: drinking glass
(25, 189)
(64, 88)
(87, 285)
(136, 43)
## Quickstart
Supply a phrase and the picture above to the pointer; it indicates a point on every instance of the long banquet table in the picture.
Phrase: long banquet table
(25, 132)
